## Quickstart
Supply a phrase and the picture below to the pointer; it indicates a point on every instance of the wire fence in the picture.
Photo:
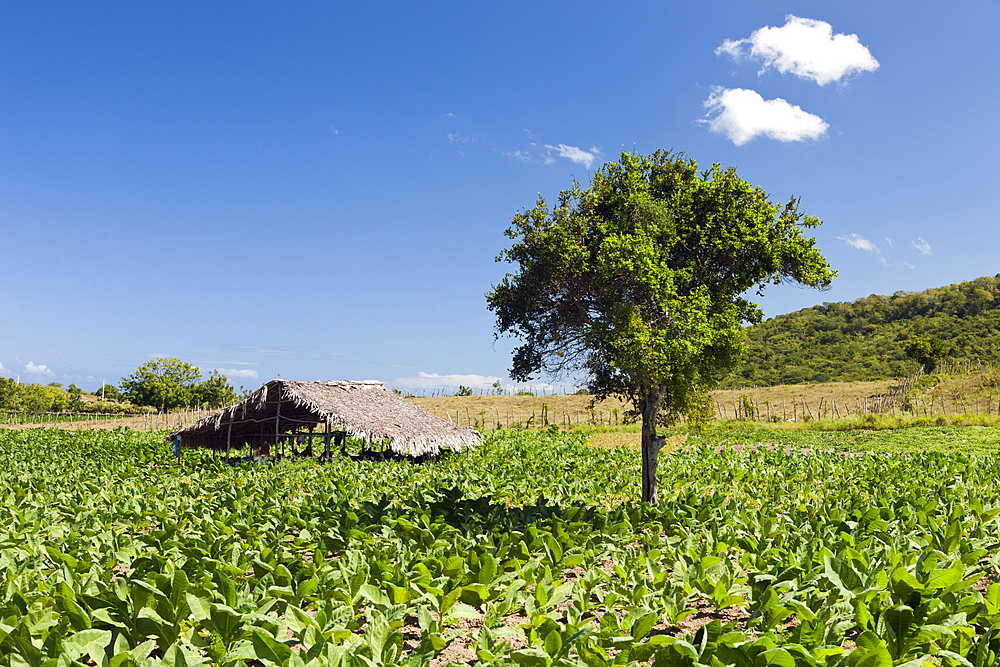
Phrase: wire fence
(488, 412)
(88, 420)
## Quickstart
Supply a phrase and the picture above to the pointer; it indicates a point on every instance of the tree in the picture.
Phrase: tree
(162, 383)
(36, 398)
(10, 397)
(215, 392)
(638, 282)
(927, 351)
(109, 392)
(75, 403)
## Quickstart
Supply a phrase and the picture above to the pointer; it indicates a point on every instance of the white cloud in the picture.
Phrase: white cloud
(227, 362)
(2, 369)
(859, 242)
(521, 156)
(454, 138)
(239, 372)
(256, 349)
(742, 115)
(38, 369)
(922, 246)
(574, 154)
(424, 380)
(806, 48)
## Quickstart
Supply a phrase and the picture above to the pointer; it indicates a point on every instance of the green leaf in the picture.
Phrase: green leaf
(531, 657)
(92, 643)
(644, 625)
(775, 656)
(269, 650)
(942, 578)
(475, 595)
(902, 583)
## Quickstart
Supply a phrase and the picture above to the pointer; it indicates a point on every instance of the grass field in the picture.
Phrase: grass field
(960, 398)
(769, 547)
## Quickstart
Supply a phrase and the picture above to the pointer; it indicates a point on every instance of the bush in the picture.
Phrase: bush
(113, 408)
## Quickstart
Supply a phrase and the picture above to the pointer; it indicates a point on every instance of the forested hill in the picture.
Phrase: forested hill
(866, 339)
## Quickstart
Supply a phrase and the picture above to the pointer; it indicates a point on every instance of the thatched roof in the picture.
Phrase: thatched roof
(362, 409)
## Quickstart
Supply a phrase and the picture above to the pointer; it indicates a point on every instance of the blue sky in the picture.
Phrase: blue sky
(318, 190)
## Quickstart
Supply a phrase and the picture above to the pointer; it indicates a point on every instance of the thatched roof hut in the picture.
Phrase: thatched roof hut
(288, 411)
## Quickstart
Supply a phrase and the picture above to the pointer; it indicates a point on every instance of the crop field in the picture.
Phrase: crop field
(530, 550)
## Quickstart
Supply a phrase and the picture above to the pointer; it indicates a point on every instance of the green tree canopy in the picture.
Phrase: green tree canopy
(171, 383)
(215, 392)
(927, 351)
(37, 398)
(163, 383)
(109, 392)
(9, 395)
(639, 280)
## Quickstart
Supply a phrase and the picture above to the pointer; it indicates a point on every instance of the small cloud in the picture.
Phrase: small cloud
(520, 156)
(574, 154)
(859, 242)
(459, 139)
(449, 115)
(889, 242)
(742, 115)
(262, 350)
(38, 369)
(922, 246)
(334, 131)
(437, 381)
(227, 362)
(2, 369)
(807, 48)
(239, 372)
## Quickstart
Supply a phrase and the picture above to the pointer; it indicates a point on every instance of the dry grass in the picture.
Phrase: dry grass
(781, 403)
(792, 401)
(970, 393)
(526, 411)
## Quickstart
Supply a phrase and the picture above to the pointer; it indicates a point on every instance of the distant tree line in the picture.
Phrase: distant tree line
(52, 397)
(875, 337)
(163, 384)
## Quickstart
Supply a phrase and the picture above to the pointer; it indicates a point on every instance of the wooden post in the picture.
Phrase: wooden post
(277, 423)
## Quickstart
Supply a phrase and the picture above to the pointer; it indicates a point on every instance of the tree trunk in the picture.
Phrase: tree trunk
(649, 407)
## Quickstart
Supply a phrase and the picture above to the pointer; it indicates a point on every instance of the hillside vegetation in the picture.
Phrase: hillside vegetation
(866, 339)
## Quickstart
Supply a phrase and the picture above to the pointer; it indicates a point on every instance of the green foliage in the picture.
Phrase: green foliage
(700, 413)
(867, 339)
(163, 383)
(639, 280)
(927, 351)
(36, 398)
(463, 391)
(9, 400)
(215, 392)
(75, 402)
(529, 546)
(930, 380)
(171, 383)
(109, 392)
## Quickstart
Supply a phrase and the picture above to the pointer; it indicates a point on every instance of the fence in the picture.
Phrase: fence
(86, 420)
